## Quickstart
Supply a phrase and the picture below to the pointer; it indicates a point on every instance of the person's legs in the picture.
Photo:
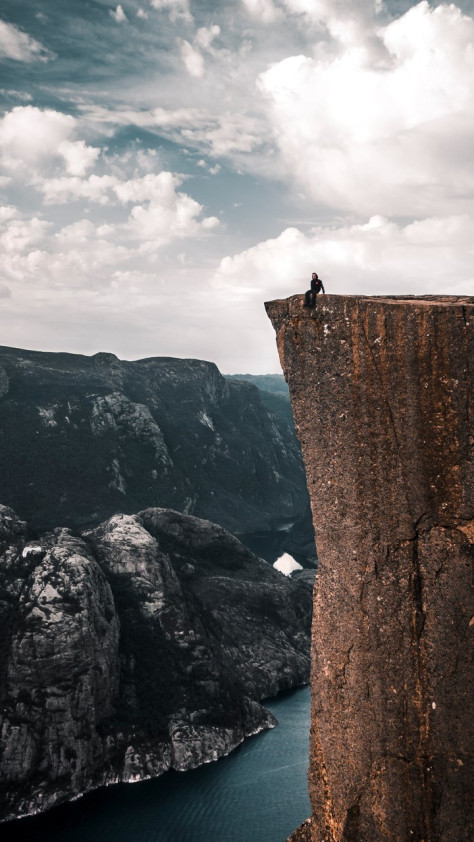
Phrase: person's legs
(307, 297)
(317, 315)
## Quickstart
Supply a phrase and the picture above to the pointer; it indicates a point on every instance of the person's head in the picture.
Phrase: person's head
(314, 276)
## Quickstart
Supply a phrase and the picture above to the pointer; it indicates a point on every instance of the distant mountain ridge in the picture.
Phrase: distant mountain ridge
(274, 383)
(85, 437)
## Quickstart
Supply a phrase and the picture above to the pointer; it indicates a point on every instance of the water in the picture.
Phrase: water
(257, 792)
(267, 545)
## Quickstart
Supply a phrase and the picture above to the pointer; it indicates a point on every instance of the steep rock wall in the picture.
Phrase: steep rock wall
(381, 392)
(140, 646)
(107, 435)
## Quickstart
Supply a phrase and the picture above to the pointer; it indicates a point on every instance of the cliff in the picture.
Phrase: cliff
(106, 435)
(142, 645)
(381, 391)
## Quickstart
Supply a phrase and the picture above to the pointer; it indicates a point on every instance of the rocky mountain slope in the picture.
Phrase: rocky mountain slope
(105, 435)
(382, 395)
(142, 645)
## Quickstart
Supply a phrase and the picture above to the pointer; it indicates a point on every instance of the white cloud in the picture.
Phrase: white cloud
(192, 58)
(262, 10)
(214, 170)
(206, 35)
(95, 188)
(344, 19)
(7, 212)
(21, 241)
(396, 138)
(31, 137)
(191, 54)
(5, 292)
(161, 214)
(177, 8)
(152, 213)
(19, 235)
(35, 257)
(229, 135)
(142, 14)
(18, 45)
(118, 14)
(77, 156)
(432, 255)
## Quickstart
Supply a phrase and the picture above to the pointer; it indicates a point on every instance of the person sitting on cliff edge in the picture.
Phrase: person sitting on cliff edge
(310, 294)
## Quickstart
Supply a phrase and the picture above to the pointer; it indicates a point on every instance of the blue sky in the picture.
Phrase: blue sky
(169, 165)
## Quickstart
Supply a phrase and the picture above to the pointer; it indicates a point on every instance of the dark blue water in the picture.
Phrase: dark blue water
(257, 792)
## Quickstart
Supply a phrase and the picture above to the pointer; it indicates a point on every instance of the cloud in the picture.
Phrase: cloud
(19, 235)
(348, 23)
(191, 54)
(262, 10)
(21, 241)
(118, 14)
(18, 45)
(160, 213)
(432, 255)
(395, 137)
(142, 14)
(5, 292)
(31, 137)
(77, 156)
(150, 213)
(28, 134)
(38, 258)
(95, 188)
(192, 59)
(226, 134)
(214, 170)
(206, 35)
(177, 8)
(229, 135)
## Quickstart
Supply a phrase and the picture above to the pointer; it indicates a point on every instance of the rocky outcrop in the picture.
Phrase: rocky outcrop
(140, 646)
(106, 435)
(382, 391)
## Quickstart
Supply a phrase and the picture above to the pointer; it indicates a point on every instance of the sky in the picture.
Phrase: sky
(166, 166)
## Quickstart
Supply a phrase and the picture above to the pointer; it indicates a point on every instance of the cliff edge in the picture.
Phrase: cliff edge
(382, 396)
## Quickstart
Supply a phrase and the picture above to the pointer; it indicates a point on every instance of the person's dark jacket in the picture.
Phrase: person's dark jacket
(317, 285)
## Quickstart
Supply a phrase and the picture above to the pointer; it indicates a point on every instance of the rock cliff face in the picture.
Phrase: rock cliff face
(382, 392)
(107, 436)
(142, 645)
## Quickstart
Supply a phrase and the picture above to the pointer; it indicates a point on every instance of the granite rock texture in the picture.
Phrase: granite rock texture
(107, 435)
(142, 645)
(382, 396)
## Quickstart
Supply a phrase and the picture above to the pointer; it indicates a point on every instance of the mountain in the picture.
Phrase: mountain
(86, 437)
(141, 645)
(273, 383)
(382, 394)
(273, 392)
